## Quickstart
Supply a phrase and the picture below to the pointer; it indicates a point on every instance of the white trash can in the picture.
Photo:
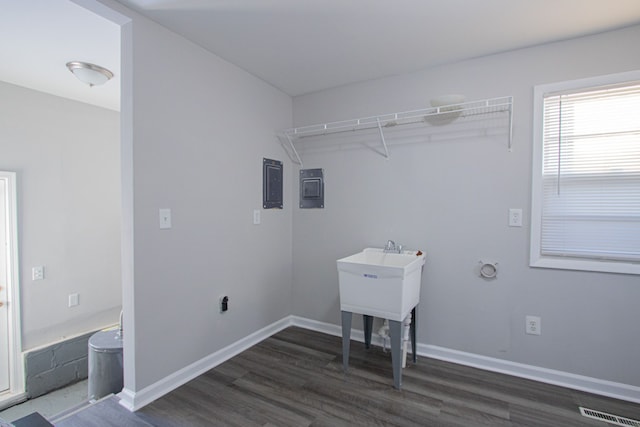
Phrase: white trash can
(105, 364)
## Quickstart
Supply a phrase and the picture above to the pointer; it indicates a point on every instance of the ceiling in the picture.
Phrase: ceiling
(303, 46)
(40, 36)
(299, 46)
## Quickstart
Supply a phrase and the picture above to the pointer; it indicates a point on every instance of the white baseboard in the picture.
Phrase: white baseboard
(550, 376)
(136, 400)
(331, 329)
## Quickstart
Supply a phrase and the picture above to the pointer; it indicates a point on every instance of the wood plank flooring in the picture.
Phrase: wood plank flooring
(295, 378)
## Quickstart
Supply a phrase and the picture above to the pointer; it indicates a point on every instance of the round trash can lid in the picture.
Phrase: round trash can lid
(106, 341)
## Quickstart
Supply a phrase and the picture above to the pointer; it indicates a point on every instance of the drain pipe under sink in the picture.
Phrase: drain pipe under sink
(383, 333)
(405, 338)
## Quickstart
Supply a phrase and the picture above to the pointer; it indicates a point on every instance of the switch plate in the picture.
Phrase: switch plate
(256, 217)
(37, 273)
(515, 217)
(165, 218)
(533, 325)
(73, 300)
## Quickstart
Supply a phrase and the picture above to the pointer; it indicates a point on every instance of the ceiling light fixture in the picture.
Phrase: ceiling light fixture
(90, 74)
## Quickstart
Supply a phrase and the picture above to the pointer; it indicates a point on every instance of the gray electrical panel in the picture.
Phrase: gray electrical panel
(271, 184)
(311, 188)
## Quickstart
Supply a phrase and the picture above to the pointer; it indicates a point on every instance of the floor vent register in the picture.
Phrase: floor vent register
(609, 418)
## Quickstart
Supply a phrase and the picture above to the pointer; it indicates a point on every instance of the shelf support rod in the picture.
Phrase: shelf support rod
(293, 148)
(510, 123)
(384, 143)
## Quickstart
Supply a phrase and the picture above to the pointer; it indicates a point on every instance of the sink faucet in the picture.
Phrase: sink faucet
(392, 247)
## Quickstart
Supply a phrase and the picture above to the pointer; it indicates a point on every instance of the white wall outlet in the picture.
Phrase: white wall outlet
(165, 218)
(533, 325)
(73, 300)
(256, 216)
(37, 273)
(515, 217)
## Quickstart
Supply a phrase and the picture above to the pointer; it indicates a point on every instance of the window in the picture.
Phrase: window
(586, 175)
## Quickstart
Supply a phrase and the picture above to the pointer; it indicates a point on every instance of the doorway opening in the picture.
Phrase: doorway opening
(11, 362)
(70, 237)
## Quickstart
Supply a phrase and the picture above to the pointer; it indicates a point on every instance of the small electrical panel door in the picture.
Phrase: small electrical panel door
(271, 184)
(311, 188)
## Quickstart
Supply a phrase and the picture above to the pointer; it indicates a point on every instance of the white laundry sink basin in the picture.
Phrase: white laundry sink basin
(380, 284)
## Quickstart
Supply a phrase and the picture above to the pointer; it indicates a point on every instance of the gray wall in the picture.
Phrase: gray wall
(450, 197)
(66, 155)
(195, 130)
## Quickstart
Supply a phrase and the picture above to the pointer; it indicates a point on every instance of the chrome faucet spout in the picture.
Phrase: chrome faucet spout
(392, 247)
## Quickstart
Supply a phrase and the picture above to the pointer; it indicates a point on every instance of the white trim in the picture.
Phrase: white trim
(114, 14)
(549, 376)
(134, 401)
(331, 329)
(127, 198)
(9, 399)
(536, 259)
(541, 261)
(16, 359)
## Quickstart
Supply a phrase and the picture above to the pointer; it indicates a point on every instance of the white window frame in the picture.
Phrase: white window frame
(536, 258)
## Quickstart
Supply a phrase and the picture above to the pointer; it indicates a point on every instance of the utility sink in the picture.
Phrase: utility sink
(381, 284)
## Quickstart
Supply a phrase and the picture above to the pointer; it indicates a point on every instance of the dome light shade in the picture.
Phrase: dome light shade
(90, 74)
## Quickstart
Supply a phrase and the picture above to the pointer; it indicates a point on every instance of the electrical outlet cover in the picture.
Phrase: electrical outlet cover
(515, 217)
(37, 273)
(533, 325)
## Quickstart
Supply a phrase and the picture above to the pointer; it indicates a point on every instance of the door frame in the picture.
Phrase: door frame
(16, 390)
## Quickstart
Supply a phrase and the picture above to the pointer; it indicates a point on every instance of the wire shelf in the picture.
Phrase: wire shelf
(386, 121)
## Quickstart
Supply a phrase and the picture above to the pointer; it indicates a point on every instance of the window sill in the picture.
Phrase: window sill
(585, 265)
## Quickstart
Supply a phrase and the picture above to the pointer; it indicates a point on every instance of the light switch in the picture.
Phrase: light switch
(165, 218)
(73, 300)
(256, 217)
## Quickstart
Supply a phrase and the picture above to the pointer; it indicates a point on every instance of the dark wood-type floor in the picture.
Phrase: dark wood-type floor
(295, 378)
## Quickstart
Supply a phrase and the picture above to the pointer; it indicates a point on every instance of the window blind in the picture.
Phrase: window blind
(591, 173)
